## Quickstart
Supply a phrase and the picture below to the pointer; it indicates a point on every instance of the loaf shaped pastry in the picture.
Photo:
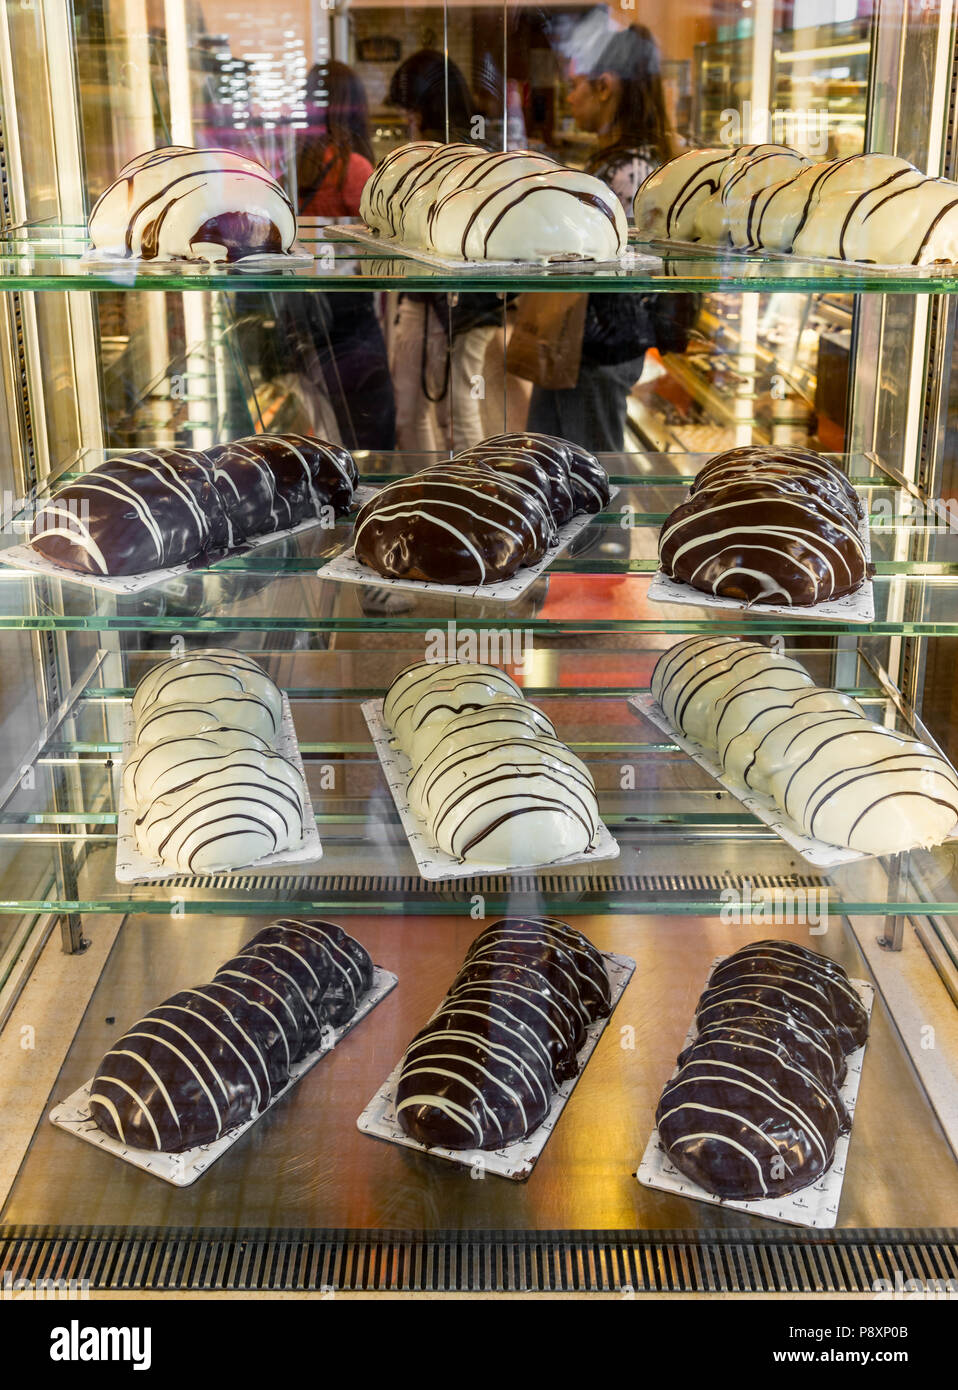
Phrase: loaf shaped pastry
(754, 1109)
(484, 1070)
(490, 780)
(179, 203)
(210, 790)
(767, 525)
(162, 507)
(482, 516)
(835, 774)
(463, 202)
(213, 1057)
(874, 208)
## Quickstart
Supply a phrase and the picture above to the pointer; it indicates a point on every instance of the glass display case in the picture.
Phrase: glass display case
(99, 357)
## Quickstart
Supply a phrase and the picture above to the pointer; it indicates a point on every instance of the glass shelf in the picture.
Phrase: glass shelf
(58, 833)
(599, 585)
(47, 256)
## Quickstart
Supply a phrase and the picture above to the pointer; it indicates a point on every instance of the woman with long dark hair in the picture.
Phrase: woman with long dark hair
(618, 97)
(336, 340)
(335, 158)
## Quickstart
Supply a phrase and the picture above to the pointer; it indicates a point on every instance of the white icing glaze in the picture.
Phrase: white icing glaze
(161, 200)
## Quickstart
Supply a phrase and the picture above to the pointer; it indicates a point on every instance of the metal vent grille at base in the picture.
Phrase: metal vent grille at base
(548, 1262)
(512, 884)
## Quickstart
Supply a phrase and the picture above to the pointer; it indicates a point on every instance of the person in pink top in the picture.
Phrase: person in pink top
(335, 156)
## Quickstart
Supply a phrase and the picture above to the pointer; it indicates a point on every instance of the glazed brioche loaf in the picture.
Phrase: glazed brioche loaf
(213, 1057)
(463, 202)
(210, 790)
(162, 507)
(754, 1110)
(868, 207)
(484, 1070)
(490, 780)
(835, 774)
(181, 203)
(768, 525)
(479, 518)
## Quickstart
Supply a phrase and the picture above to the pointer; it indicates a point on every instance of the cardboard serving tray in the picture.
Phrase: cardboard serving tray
(434, 864)
(815, 1205)
(515, 1161)
(134, 867)
(570, 263)
(181, 1169)
(347, 569)
(858, 607)
(818, 852)
(25, 557)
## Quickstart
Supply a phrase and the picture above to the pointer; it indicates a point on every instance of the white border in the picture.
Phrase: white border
(346, 569)
(181, 1169)
(134, 867)
(433, 863)
(515, 1161)
(815, 1205)
(818, 852)
(931, 272)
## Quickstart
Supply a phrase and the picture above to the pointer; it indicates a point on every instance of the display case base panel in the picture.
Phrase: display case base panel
(433, 863)
(184, 1168)
(134, 867)
(517, 1160)
(348, 570)
(304, 1166)
(816, 1205)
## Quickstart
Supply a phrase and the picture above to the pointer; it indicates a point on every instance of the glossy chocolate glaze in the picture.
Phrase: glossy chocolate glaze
(779, 526)
(477, 519)
(754, 1109)
(483, 1071)
(158, 508)
(210, 1058)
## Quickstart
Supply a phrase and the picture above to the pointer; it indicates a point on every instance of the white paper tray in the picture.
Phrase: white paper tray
(515, 1161)
(817, 852)
(815, 1205)
(131, 266)
(858, 607)
(433, 863)
(347, 570)
(134, 867)
(73, 1114)
(394, 246)
(831, 262)
(25, 557)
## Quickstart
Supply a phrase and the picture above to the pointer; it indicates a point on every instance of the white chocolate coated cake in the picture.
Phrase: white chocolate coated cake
(469, 204)
(490, 780)
(837, 775)
(873, 208)
(179, 203)
(209, 788)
